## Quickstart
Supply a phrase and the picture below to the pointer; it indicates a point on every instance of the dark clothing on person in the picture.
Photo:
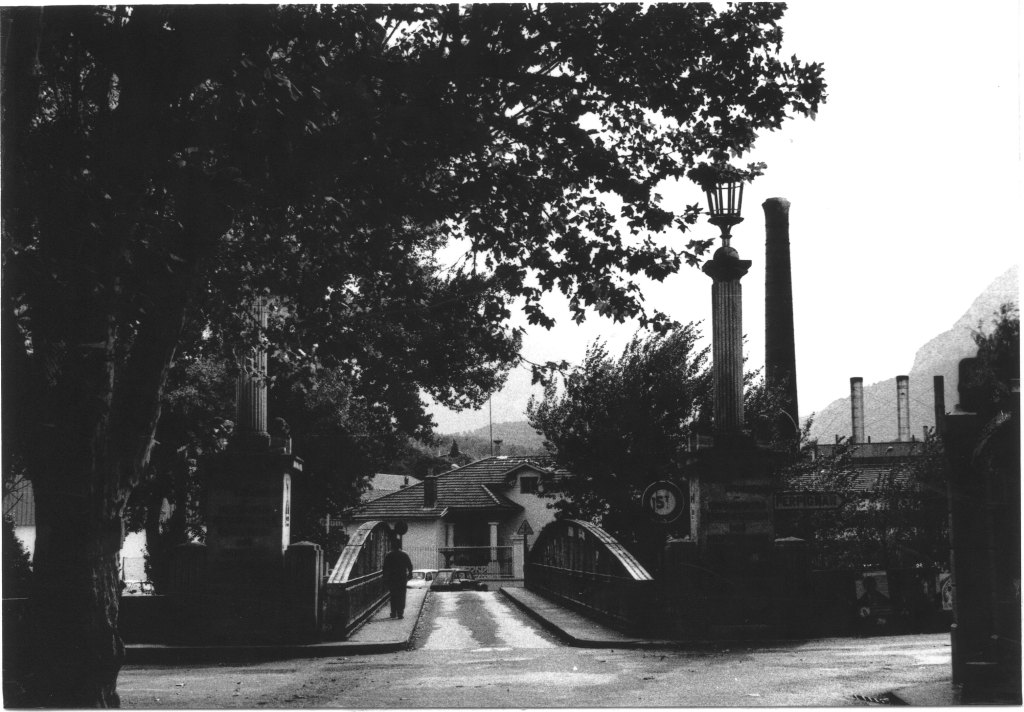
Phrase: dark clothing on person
(397, 570)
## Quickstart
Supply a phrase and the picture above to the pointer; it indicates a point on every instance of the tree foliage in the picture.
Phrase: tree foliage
(996, 364)
(164, 164)
(17, 571)
(620, 423)
(892, 514)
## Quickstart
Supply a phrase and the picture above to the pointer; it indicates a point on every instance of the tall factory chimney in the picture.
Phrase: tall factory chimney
(940, 404)
(903, 408)
(779, 348)
(857, 408)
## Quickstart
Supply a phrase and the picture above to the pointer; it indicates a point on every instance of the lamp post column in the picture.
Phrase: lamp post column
(726, 269)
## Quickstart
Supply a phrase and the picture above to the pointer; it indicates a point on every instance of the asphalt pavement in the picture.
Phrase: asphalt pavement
(383, 634)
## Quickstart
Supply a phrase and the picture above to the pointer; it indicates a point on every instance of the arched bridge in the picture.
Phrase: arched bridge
(355, 588)
(581, 565)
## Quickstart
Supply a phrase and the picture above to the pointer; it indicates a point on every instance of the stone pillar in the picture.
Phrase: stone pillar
(493, 566)
(726, 269)
(779, 346)
(857, 409)
(248, 517)
(903, 408)
(251, 388)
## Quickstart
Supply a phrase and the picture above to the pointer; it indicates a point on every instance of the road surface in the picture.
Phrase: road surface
(473, 649)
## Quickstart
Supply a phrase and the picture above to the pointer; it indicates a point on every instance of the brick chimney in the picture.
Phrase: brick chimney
(779, 346)
(903, 408)
(857, 408)
(430, 491)
(940, 404)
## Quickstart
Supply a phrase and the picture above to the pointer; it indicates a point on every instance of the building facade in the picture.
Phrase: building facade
(479, 516)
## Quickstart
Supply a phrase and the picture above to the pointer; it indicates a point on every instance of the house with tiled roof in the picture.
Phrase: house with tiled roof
(873, 464)
(479, 516)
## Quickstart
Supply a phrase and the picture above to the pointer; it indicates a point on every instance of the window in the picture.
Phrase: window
(528, 485)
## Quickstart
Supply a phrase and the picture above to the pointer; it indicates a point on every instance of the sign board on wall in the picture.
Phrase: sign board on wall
(664, 501)
(738, 514)
(807, 500)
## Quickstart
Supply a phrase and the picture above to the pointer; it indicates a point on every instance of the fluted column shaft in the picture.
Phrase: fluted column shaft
(251, 386)
(726, 270)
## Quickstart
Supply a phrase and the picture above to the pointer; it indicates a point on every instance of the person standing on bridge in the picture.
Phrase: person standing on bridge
(397, 571)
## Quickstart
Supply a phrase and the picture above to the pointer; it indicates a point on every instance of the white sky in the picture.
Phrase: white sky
(906, 198)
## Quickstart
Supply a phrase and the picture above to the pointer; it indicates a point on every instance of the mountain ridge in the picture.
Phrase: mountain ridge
(940, 356)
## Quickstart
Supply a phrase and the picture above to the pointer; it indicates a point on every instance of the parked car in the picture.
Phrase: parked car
(421, 578)
(456, 580)
(138, 588)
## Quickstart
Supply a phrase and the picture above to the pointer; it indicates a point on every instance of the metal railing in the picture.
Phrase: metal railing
(581, 565)
(483, 561)
(355, 588)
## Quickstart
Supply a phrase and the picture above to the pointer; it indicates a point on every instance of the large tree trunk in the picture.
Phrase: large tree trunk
(100, 414)
(75, 652)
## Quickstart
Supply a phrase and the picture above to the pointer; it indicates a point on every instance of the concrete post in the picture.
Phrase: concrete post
(779, 346)
(303, 562)
(493, 565)
(903, 408)
(857, 408)
(726, 269)
(518, 556)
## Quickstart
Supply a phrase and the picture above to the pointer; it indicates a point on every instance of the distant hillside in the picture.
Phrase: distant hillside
(517, 438)
(939, 357)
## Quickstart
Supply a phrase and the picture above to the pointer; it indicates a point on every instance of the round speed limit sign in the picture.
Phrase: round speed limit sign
(664, 501)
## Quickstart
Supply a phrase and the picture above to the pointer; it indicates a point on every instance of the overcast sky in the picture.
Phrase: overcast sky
(905, 191)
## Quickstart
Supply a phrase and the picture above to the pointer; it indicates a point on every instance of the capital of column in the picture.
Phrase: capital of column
(726, 265)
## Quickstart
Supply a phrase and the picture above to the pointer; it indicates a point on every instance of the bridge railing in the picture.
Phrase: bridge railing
(579, 564)
(355, 587)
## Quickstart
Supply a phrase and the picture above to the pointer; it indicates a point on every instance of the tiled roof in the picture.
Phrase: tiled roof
(475, 487)
(867, 476)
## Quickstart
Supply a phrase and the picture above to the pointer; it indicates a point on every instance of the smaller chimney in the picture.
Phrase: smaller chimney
(940, 403)
(497, 446)
(903, 408)
(430, 491)
(857, 408)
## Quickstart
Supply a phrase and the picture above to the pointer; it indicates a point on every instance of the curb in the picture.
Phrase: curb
(159, 654)
(567, 637)
(149, 654)
(635, 643)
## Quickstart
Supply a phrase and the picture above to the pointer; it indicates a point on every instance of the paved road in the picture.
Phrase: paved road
(478, 621)
(473, 650)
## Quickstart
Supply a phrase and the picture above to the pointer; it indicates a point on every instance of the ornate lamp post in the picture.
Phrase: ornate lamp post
(723, 185)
